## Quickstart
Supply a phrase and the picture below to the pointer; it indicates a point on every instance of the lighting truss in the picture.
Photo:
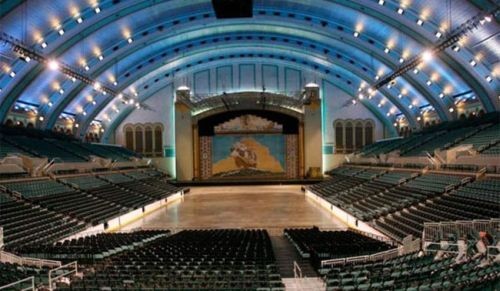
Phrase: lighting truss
(453, 37)
(25, 52)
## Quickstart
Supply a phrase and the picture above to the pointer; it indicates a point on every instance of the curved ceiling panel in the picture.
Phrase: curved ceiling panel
(120, 42)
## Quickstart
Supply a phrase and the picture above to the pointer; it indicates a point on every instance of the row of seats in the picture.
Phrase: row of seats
(482, 134)
(48, 210)
(476, 200)
(413, 272)
(10, 273)
(189, 260)
(27, 224)
(323, 245)
(88, 249)
(38, 144)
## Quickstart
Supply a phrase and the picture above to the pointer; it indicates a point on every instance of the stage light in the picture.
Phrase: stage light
(97, 10)
(41, 118)
(130, 40)
(53, 65)
(12, 74)
(401, 60)
(356, 34)
(61, 91)
(79, 20)
(489, 79)
(415, 71)
(101, 57)
(441, 95)
(429, 82)
(43, 44)
(473, 62)
(438, 34)
(61, 32)
(387, 50)
(427, 56)
(419, 118)
(401, 11)
(420, 22)
(381, 2)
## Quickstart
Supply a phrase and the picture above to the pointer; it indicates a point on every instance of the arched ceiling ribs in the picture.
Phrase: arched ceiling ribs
(122, 115)
(193, 64)
(191, 59)
(384, 17)
(287, 32)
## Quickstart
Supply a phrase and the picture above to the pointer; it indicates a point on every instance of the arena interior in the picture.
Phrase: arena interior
(268, 145)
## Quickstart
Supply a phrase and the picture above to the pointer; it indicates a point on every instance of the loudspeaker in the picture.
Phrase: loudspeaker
(233, 8)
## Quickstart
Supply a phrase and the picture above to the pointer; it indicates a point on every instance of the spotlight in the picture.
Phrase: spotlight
(97, 10)
(387, 50)
(130, 40)
(420, 22)
(381, 2)
(415, 71)
(61, 32)
(43, 44)
(356, 34)
(489, 79)
(401, 11)
(473, 62)
(438, 34)
(79, 20)
(451, 109)
(41, 118)
(97, 85)
(427, 56)
(53, 65)
(12, 74)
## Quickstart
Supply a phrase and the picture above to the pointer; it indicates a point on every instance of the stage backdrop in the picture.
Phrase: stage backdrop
(248, 146)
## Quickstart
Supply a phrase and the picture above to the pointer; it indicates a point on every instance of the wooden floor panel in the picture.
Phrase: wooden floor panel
(271, 207)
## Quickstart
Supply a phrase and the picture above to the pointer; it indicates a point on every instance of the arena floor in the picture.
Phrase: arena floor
(270, 207)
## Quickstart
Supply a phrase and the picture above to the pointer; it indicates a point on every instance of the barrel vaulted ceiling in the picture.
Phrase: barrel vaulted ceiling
(140, 46)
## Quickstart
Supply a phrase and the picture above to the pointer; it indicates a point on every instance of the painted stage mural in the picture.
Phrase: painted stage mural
(248, 146)
(242, 155)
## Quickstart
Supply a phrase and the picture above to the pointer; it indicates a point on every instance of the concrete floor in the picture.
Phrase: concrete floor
(270, 207)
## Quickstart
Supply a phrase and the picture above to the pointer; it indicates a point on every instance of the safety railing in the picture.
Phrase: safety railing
(438, 231)
(374, 236)
(60, 272)
(20, 285)
(381, 256)
(6, 257)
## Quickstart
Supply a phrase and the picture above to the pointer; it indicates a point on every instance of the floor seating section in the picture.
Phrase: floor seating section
(189, 260)
(485, 141)
(45, 148)
(26, 224)
(88, 249)
(323, 245)
(413, 272)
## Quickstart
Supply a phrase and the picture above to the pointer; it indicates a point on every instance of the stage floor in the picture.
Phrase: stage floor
(270, 207)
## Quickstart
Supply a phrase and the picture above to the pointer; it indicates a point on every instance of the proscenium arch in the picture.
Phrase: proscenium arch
(113, 125)
(290, 31)
(345, 68)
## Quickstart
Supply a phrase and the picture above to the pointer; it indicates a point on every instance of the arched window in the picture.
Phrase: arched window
(30, 125)
(358, 135)
(129, 138)
(148, 135)
(368, 132)
(9, 123)
(158, 145)
(462, 116)
(339, 137)
(139, 144)
(349, 138)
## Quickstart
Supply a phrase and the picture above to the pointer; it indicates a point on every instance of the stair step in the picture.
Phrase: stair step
(286, 255)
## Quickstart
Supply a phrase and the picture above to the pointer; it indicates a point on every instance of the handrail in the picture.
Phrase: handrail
(27, 261)
(297, 271)
(32, 279)
(53, 279)
(389, 254)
